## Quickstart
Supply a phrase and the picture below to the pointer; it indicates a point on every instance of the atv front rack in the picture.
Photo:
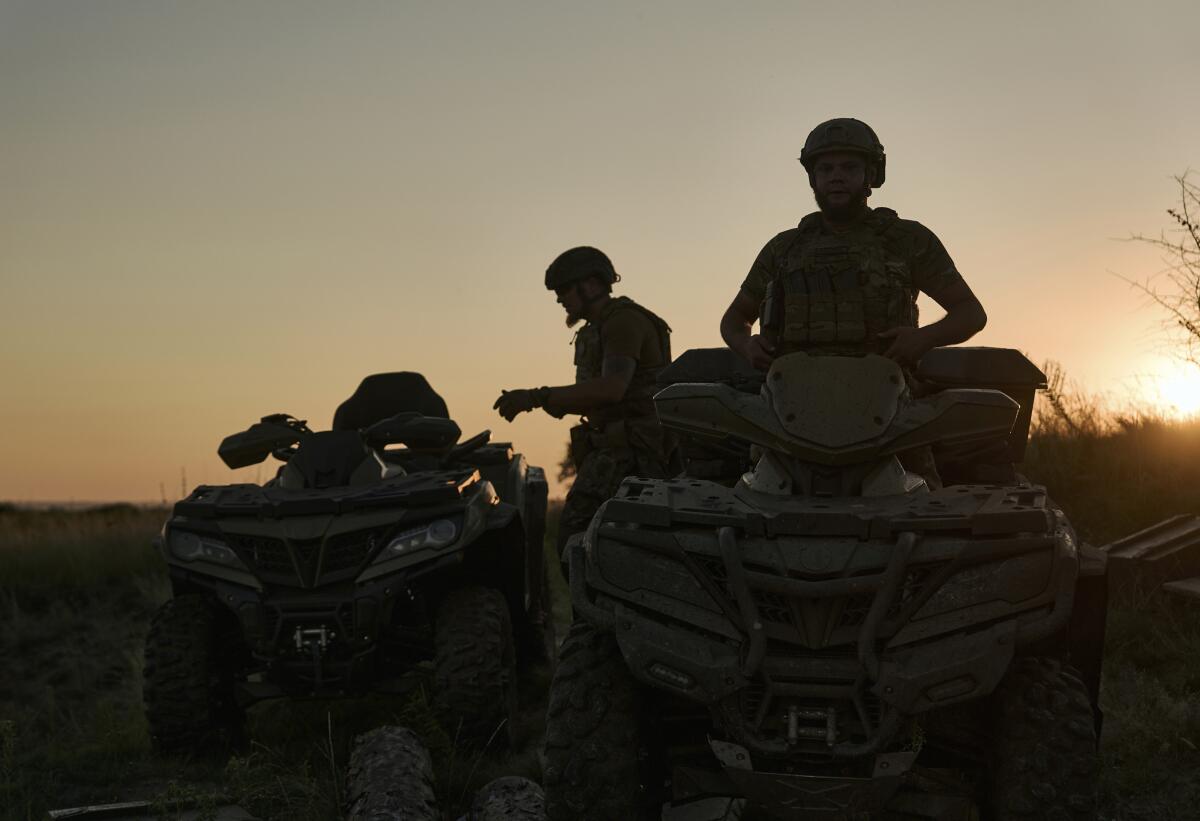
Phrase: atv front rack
(426, 488)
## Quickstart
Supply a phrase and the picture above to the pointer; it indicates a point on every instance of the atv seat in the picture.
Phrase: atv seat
(327, 459)
(385, 394)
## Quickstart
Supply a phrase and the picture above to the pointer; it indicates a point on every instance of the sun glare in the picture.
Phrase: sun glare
(1175, 390)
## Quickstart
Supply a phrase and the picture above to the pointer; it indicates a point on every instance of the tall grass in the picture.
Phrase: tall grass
(78, 549)
(1112, 472)
(77, 589)
(1116, 472)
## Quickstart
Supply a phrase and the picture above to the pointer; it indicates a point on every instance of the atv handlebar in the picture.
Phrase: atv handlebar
(274, 434)
(463, 448)
(279, 435)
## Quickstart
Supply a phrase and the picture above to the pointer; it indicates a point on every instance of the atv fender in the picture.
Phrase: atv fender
(1089, 620)
(592, 613)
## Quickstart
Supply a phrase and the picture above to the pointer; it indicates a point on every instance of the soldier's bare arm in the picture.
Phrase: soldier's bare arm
(737, 324)
(616, 372)
(583, 397)
(964, 318)
(629, 341)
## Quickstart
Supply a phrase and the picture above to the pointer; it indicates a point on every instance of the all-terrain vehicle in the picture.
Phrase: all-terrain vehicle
(380, 544)
(836, 635)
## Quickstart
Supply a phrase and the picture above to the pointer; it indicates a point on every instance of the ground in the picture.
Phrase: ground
(77, 590)
(71, 725)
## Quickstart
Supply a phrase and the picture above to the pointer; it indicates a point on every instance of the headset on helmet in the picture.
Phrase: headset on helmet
(845, 134)
(578, 264)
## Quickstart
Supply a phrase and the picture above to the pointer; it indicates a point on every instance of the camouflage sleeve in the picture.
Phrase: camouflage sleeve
(761, 272)
(625, 334)
(932, 268)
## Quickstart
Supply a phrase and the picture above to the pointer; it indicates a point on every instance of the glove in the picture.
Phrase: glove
(512, 403)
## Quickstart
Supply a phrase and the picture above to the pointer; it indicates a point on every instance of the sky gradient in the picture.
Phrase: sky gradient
(214, 211)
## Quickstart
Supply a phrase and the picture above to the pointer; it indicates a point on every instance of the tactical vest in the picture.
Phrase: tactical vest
(835, 292)
(589, 362)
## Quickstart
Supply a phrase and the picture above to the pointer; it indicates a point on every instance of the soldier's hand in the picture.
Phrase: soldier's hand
(908, 344)
(512, 403)
(759, 352)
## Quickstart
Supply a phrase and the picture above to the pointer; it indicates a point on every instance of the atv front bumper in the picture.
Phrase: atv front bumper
(325, 643)
(804, 640)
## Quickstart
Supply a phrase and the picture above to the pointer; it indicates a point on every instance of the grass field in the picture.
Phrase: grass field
(1114, 475)
(77, 590)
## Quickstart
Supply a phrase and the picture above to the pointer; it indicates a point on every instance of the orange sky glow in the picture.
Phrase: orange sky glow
(215, 211)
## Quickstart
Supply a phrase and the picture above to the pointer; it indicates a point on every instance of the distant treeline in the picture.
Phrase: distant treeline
(80, 507)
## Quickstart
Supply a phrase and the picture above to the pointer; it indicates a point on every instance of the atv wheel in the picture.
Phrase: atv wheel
(475, 664)
(590, 761)
(510, 798)
(187, 685)
(390, 777)
(1045, 762)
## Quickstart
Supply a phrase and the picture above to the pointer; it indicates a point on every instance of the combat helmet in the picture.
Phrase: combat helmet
(578, 264)
(845, 134)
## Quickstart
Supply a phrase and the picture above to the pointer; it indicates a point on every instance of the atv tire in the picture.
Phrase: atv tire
(390, 777)
(475, 666)
(1045, 762)
(590, 761)
(187, 683)
(509, 798)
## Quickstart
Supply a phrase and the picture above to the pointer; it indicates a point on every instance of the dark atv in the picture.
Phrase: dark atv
(380, 544)
(834, 636)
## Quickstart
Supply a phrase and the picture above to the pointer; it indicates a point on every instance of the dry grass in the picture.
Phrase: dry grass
(1116, 473)
(1113, 472)
(77, 549)
(76, 594)
(1151, 700)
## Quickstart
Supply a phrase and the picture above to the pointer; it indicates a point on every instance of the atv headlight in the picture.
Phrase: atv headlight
(191, 547)
(436, 534)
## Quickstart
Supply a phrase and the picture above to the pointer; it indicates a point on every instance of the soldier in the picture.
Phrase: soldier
(618, 353)
(845, 280)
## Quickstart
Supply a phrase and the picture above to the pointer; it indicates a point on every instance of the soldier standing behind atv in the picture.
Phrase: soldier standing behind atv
(618, 354)
(845, 280)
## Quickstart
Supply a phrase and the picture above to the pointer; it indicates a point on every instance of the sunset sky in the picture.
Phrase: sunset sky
(211, 211)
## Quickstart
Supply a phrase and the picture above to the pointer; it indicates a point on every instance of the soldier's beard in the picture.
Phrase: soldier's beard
(585, 302)
(842, 213)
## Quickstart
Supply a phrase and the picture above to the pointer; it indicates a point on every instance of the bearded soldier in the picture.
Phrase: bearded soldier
(618, 354)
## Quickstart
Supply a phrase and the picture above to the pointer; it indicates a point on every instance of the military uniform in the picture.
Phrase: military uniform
(834, 291)
(829, 291)
(625, 438)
